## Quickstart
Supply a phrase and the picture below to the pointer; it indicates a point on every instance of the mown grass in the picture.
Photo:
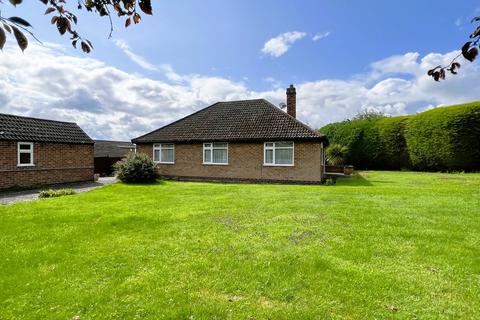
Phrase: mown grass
(384, 245)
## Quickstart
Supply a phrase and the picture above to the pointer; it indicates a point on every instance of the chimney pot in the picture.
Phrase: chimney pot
(292, 101)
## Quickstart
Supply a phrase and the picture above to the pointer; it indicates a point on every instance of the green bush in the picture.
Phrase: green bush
(336, 154)
(55, 193)
(446, 138)
(136, 168)
(362, 139)
(394, 154)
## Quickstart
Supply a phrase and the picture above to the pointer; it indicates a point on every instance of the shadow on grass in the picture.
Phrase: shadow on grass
(143, 184)
(357, 180)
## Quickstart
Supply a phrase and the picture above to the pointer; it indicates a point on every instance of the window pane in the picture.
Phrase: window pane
(269, 144)
(220, 145)
(208, 156)
(25, 158)
(167, 155)
(25, 147)
(208, 145)
(167, 146)
(284, 145)
(156, 155)
(268, 156)
(220, 156)
(284, 156)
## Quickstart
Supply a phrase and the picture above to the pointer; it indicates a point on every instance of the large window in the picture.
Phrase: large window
(25, 154)
(278, 154)
(164, 153)
(215, 153)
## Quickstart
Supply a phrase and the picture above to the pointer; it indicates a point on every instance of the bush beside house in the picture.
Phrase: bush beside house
(446, 138)
(136, 168)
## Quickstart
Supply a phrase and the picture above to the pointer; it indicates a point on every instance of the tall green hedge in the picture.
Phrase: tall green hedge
(394, 154)
(446, 138)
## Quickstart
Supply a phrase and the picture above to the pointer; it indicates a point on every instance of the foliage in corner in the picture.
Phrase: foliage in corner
(136, 168)
(469, 51)
(65, 20)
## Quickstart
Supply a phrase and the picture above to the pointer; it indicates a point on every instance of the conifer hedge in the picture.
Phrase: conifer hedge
(445, 138)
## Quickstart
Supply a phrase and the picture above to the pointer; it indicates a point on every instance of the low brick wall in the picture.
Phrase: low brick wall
(54, 163)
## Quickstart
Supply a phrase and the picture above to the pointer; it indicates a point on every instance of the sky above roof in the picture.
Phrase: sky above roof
(343, 57)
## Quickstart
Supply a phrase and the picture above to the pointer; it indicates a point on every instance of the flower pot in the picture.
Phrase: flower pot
(347, 170)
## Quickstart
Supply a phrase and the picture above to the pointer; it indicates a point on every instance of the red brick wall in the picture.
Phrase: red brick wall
(54, 163)
(245, 163)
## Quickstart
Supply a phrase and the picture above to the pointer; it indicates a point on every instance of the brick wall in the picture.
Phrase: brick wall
(245, 163)
(54, 163)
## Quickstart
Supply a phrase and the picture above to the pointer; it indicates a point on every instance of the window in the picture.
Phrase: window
(164, 153)
(25, 154)
(278, 154)
(215, 153)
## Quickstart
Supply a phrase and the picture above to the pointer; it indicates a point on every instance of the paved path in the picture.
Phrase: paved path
(30, 195)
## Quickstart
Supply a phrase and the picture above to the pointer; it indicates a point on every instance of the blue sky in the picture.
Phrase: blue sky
(190, 45)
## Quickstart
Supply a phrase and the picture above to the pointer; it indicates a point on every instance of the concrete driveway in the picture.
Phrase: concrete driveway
(30, 195)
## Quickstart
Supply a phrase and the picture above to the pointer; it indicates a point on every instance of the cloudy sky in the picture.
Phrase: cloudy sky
(343, 57)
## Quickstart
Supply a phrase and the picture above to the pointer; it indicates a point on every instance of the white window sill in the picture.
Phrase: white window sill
(277, 165)
(25, 165)
(214, 164)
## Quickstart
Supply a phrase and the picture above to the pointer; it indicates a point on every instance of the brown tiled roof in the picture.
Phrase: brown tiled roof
(245, 120)
(27, 129)
(112, 149)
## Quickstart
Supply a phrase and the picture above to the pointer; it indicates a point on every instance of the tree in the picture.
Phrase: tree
(368, 115)
(65, 20)
(469, 52)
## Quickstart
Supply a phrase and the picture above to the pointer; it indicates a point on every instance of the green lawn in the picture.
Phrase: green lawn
(382, 246)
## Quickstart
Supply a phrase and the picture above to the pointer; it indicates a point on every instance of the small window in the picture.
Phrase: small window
(164, 153)
(25, 154)
(215, 153)
(278, 154)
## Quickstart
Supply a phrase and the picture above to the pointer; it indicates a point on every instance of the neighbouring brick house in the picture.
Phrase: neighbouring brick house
(41, 152)
(250, 140)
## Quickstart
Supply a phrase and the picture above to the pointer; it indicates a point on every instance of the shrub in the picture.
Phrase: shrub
(336, 154)
(330, 182)
(394, 154)
(136, 168)
(55, 193)
(361, 138)
(446, 138)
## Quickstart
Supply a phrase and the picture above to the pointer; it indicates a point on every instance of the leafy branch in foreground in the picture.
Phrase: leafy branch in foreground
(65, 20)
(469, 52)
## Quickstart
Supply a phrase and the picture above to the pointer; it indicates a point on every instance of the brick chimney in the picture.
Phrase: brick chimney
(292, 101)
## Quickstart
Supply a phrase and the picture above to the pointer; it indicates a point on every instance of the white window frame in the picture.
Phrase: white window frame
(265, 148)
(160, 147)
(30, 151)
(211, 153)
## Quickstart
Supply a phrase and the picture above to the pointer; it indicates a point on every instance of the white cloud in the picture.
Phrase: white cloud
(279, 45)
(110, 103)
(137, 59)
(321, 35)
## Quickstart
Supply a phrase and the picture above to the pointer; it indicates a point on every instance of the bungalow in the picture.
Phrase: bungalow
(41, 152)
(249, 140)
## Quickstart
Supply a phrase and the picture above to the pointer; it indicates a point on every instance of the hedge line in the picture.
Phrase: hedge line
(446, 138)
